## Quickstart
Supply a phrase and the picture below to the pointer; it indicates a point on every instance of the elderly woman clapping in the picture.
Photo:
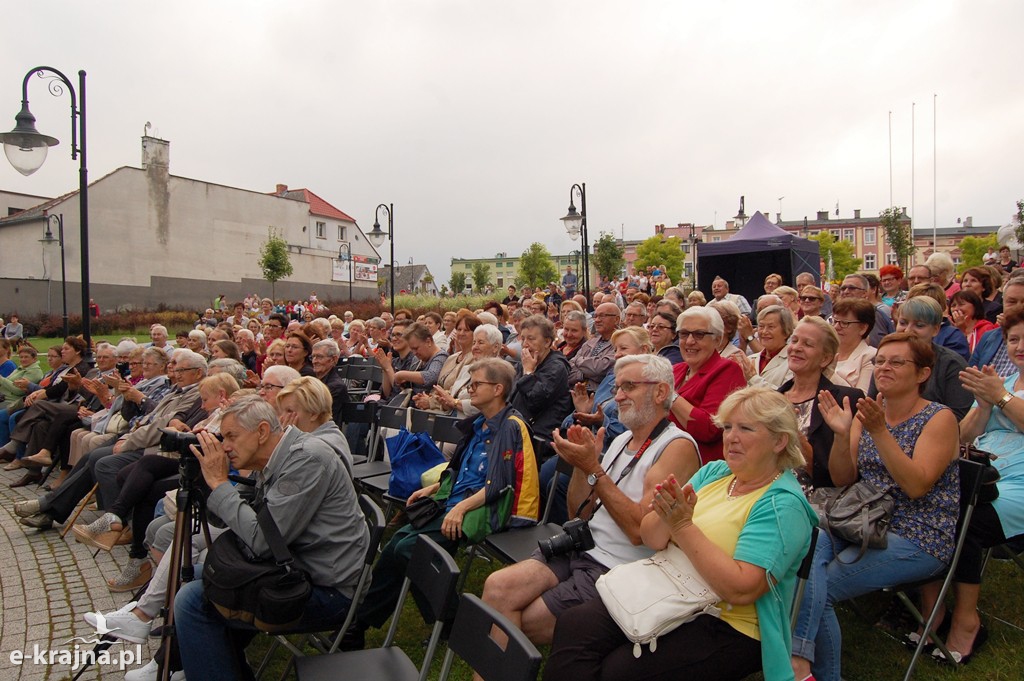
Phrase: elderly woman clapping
(905, 444)
(770, 366)
(746, 537)
(457, 400)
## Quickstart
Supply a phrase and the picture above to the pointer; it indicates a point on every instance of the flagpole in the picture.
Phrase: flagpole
(890, 159)
(935, 174)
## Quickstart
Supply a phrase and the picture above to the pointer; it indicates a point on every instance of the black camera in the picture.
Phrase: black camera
(180, 443)
(576, 536)
(124, 370)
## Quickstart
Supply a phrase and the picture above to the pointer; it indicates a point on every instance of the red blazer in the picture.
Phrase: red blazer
(705, 391)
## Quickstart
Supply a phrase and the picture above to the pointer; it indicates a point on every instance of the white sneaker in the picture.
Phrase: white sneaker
(91, 619)
(151, 672)
(121, 624)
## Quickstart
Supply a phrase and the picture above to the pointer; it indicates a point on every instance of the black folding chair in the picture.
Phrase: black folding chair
(971, 474)
(434, 574)
(387, 417)
(472, 640)
(802, 575)
(363, 379)
(512, 546)
(376, 523)
(359, 419)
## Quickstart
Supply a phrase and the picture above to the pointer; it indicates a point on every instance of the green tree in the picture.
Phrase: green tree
(972, 251)
(843, 260)
(457, 282)
(898, 235)
(535, 267)
(1018, 219)
(274, 260)
(481, 275)
(659, 251)
(608, 257)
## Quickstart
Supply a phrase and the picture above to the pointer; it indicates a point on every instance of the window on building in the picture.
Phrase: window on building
(815, 232)
(321, 230)
(498, 264)
(869, 261)
(890, 258)
(510, 263)
(869, 236)
(716, 239)
(850, 235)
(501, 283)
(341, 233)
(834, 233)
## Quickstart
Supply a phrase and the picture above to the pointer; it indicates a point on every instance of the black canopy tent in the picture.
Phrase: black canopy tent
(753, 253)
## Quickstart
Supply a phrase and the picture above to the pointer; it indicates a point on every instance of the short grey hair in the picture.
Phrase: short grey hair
(245, 333)
(377, 323)
(655, 368)
(157, 355)
(577, 316)
(490, 332)
(186, 359)
(487, 319)
(158, 327)
(250, 411)
(282, 374)
(229, 366)
(125, 347)
(330, 346)
(198, 334)
(710, 317)
(785, 318)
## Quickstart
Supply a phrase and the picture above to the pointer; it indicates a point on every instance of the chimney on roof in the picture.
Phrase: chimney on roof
(155, 152)
(856, 213)
(778, 218)
(968, 221)
(281, 189)
(823, 215)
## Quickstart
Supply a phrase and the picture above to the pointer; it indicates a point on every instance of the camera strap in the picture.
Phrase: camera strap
(655, 434)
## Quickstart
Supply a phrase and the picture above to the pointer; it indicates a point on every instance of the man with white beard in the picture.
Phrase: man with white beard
(613, 492)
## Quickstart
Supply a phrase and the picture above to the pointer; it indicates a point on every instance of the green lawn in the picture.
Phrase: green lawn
(869, 654)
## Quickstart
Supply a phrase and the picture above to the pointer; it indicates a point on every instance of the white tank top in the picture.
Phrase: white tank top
(612, 546)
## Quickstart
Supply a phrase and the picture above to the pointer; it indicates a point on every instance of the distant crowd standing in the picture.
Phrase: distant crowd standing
(690, 421)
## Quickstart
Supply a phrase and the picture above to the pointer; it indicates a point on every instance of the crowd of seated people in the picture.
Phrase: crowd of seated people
(802, 388)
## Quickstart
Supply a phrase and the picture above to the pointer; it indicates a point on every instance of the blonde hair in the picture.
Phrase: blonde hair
(222, 381)
(313, 397)
(766, 406)
(638, 334)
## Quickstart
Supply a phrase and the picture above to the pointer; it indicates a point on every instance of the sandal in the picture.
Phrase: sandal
(959, 658)
(911, 639)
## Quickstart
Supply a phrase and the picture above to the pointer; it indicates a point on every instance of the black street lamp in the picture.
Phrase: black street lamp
(694, 240)
(576, 225)
(47, 241)
(26, 150)
(347, 250)
(377, 237)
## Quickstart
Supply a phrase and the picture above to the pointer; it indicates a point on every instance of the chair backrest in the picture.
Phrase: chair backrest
(446, 429)
(472, 640)
(359, 412)
(421, 421)
(436, 577)
(561, 467)
(971, 475)
(372, 374)
(376, 522)
(392, 417)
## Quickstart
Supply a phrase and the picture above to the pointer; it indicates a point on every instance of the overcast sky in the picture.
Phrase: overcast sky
(474, 118)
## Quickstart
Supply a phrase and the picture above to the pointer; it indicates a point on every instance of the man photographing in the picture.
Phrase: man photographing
(301, 480)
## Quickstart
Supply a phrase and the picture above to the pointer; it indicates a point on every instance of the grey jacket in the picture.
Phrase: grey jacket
(313, 502)
(147, 434)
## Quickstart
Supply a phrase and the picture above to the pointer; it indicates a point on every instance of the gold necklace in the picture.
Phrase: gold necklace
(732, 486)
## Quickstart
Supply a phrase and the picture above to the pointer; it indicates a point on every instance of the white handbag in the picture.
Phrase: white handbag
(651, 597)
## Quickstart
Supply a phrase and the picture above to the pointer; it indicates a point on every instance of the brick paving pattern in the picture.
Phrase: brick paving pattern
(47, 584)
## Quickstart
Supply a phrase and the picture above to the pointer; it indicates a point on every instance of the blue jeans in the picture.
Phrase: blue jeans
(7, 423)
(817, 637)
(209, 648)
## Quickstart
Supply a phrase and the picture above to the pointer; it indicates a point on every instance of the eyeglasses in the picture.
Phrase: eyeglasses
(181, 371)
(659, 326)
(630, 386)
(607, 315)
(396, 336)
(894, 362)
(135, 364)
(848, 287)
(270, 386)
(843, 323)
(809, 299)
(473, 385)
(697, 335)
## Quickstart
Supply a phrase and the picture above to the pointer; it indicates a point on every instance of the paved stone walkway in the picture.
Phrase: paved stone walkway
(47, 584)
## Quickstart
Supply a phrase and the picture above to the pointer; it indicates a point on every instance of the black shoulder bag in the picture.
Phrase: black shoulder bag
(271, 594)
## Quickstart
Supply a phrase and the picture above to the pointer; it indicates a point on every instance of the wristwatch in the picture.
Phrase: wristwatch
(749, 339)
(1005, 400)
(594, 477)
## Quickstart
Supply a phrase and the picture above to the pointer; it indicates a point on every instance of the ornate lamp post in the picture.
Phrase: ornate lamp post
(26, 149)
(694, 240)
(48, 240)
(377, 237)
(347, 250)
(576, 225)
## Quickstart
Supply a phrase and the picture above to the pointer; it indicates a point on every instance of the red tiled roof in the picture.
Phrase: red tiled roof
(317, 206)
